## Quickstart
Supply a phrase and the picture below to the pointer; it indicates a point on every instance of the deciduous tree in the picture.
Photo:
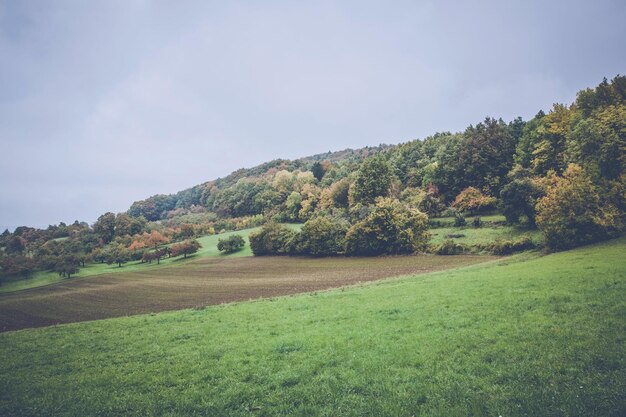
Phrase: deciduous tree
(573, 213)
(519, 197)
(185, 248)
(104, 227)
(473, 200)
(373, 180)
(318, 171)
(231, 244)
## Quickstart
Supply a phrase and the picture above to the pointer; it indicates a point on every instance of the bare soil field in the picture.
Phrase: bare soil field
(206, 281)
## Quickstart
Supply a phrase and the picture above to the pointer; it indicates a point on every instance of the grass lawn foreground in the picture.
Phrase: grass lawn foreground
(524, 336)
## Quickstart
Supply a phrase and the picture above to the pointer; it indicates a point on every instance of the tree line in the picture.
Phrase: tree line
(112, 239)
(562, 172)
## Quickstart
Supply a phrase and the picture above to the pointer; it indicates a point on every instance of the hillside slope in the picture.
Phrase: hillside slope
(542, 336)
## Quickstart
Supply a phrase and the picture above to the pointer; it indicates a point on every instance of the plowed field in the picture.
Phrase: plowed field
(202, 282)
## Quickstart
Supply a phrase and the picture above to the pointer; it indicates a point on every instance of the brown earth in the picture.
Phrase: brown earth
(203, 282)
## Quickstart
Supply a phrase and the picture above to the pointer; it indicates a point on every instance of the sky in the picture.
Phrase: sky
(103, 103)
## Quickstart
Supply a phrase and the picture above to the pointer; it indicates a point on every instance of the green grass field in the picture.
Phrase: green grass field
(487, 219)
(523, 336)
(484, 235)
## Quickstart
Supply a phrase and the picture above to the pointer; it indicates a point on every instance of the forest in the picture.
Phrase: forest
(561, 172)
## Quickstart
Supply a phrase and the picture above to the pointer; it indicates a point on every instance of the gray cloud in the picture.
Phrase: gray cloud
(104, 103)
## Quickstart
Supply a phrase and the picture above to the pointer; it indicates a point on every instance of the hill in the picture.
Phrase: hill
(562, 173)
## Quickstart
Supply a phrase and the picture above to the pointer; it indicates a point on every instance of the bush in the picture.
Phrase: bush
(432, 203)
(455, 235)
(459, 220)
(506, 247)
(231, 244)
(450, 247)
(273, 239)
(323, 236)
(435, 224)
(16, 265)
(389, 228)
(518, 198)
(477, 222)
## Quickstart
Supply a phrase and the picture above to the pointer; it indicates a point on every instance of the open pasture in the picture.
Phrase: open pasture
(203, 281)
(523, 336)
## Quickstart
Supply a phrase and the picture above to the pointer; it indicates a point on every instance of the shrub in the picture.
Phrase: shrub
(389, 228)
(455, 235)
(272, 239)
(16, 265)
(323, 236)
(506, 247)
(432, 202)
(459, 220)
(472, 200)
(477, 222)
(231, 244)
(450, 247)
(435, 224)
(518, 198)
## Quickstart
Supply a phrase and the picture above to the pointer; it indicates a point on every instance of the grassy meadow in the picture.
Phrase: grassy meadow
(483, 235)
(522, 336)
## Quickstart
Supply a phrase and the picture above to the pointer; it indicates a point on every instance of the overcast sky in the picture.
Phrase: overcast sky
(106, 102)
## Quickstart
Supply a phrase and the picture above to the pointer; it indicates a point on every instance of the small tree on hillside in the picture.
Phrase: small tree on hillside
(148, 257)
(116, 253)
(67, 265)
(155, 239)
(185, 248)
(136, 249)
(104, 227)
(231, 244)
(98, 255)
